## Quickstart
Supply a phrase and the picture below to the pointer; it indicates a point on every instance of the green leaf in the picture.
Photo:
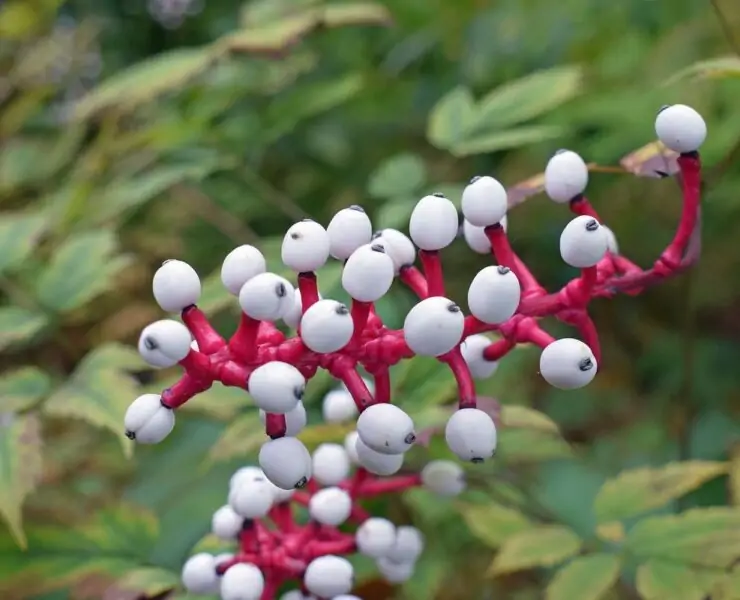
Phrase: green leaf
(145, 581)
(81, 268)
(214, 296)
(638, 490)
(543, 546)
(451, 118)
(394, 213)
(19, 234)
(585, 578)
(21, 388)
(112, 544)
(528, 97)
(493, 524)
(514, 415)
(241, 437)
(20, 468)
(531, 445)
(703, 537)
(219, 402)
(314, 435)
(723, 67)
(144, 81)
(399, 175)
(506, 140)
(18, 325)
(658, 580)
(99, 392)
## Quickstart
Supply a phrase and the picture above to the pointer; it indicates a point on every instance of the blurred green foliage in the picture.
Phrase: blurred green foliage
(125, 141)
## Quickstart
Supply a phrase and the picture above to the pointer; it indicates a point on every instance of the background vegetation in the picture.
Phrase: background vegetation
(131, 133)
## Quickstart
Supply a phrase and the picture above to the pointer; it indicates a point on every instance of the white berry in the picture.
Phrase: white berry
(434, 223)
(292, 317)
(267, 297)
(327, 326)
(164, 343)
(349, 229)
(276, 387)
(472, 351)
(408, 546)
(328, 576)
(295, 595)
(245, 474)
(398, 246)
(176, 286)
(199, 574)
(350, 445)
(375, 537)
(444, 478)
(494, 295)
(240, 265)
(330, 506)
(295, 419)
(395, 572)
(566, 176)
(331, 464)
(286, 462)
(476, 237)
(583, 242)
(434, 326)
(471, 435)
(680, 128)
(305, 247)
(242, 581)
(568, 364)
(368, 273)
(484, 201)
(338, 406)
(147, 421)
(226, 524)
(375, 462)
(386, 428)
(251, 499)
(611, 240)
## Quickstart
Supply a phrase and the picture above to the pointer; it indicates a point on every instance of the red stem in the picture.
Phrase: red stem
(505, 256)
(498, 349)
(360, 314)
(413, 278)
(308, 286)
(382, 384)
(207, 338)
(275, 425)
(243, 344)
(389, 485)
(432, 264)
(466, 388)
(346, 372)
(182, 390)
(690, 165)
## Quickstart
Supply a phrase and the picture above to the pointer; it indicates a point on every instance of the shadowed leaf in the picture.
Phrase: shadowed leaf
(18, 325)
(735, 476)
(242, 436)
(19, 234)
(585, 578)
(543, 546)
(22, 388)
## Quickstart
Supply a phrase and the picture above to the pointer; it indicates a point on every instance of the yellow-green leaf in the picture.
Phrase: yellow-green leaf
(451, 118)
(398, 175)
(506, 140)
(724, 67)
(514, 415)
(314, 435)
(22, 388)
(735, 476)
(146, 581)
(212, 545)
(19, 234)
(215, 297)
(531, 445)
(528, 97)
(18, 325)
(20, 467)
(493, 524)
(355, 13)
(585, 578)
(543, 546)
(662, 580)
(81, 268)
(220, 402)
(243, 435)
(638, 490)
(706, 537)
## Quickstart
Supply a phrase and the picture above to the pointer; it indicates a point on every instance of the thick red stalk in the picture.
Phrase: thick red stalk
(309, 288)
(207, 338)
(465, 386)
(413, 278)
(243, 344)
(360, 314)
(432, 264)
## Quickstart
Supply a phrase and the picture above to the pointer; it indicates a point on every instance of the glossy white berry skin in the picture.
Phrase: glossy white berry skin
(350, 445)
(295, 420)
(680, 128)
(242, 581)
(444, 478)
(394, 572)
(476, 237)
(267, 297)
(471, 435)
(484, 201)
(376, 462)
(398, 246)
(408, 545)
(568, 364)
(147, 421)
(329, 576)
(305, 247)
(292, 317)
(199, 574)
(386, 428)
(434, 223)
(164, 343)
(330, 506)
(240, 265)
(327, 326)
(331, 464)
(226, 524)
(566, 176)
(494, 295)
(176, 286)
(376, 537)
(368, 273)
(349, 229)
(472, 352)
(286, 462)
(338, 406)
(434, 326)
(583, 242)
(251, 499)
(295, 595)
(244, 474)
(276, 387)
